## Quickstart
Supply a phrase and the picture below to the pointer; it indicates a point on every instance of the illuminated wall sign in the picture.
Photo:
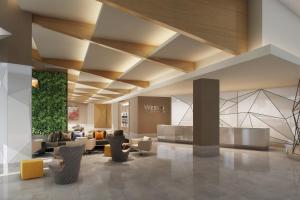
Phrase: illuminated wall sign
(154, 108)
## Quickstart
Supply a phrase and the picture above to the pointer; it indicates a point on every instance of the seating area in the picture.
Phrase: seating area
(66, 154)
(41, 144)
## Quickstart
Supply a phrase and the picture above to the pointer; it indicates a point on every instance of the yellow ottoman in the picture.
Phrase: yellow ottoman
(107, 150)
(31, 169)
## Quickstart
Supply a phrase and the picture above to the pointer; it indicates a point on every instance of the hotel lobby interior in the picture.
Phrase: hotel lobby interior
(149, 99)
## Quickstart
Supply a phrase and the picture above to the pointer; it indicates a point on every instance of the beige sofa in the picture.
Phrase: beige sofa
(89, 144)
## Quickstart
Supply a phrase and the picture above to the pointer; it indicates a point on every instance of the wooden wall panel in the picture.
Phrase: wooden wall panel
(148, 120)
(102, 116)
(206, 112)
(206, 94)
(133, 112)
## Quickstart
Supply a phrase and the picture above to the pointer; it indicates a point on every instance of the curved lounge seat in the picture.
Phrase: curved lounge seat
(141, 144)
(67, 171)
(116, 140)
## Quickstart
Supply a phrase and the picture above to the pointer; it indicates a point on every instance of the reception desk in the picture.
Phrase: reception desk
(249, 138)
(177, 134)
(246, 138)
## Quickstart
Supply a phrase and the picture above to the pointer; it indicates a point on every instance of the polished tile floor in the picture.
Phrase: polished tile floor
(170, 173)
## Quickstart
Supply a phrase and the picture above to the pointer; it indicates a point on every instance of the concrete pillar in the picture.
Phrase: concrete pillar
(15, 84)
(15, 113)
(3, 113)
(206, 117)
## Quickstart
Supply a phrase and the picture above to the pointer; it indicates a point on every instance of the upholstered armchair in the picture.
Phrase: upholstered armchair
(66, 170)
(116, 140)
(141, 144)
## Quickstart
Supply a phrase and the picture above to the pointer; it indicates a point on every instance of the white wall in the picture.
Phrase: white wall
(83, 115)
(270, 22)
(182, 110)
(15, 115)
(115, 116)
(3, 113)
(90, 116)
(86, 116)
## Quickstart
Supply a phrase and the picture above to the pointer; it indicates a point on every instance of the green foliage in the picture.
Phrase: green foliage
(49, 103)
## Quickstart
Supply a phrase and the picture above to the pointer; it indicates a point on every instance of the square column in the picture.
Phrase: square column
(3, 113)
(15, 113)
(206, 95)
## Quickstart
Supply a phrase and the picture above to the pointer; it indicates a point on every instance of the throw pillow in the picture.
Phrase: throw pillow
(99, 135)
(54, 137)
(66, 137)
(77, 134)
(50, 137)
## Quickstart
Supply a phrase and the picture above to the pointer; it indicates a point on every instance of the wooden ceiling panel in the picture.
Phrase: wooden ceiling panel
(93, 84)
(184, 66)
(68, 64)
(73, 28)
(120, 85)
(138, 49)
(222, 24)
(122, 91)
(91, 77)
(106, 74)
(138, 83)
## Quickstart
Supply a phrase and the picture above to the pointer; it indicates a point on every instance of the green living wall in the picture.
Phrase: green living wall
(49, 103)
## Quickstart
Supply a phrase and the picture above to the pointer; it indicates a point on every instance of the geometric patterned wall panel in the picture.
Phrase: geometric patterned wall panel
(182, 110)
(263, 108)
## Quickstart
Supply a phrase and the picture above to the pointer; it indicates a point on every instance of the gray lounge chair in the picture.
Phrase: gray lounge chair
(67, 170)
(116, 140)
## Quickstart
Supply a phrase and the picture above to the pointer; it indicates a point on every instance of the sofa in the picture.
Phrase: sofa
(43, 143)
(57, 139)
(89, 144)
(99, 136)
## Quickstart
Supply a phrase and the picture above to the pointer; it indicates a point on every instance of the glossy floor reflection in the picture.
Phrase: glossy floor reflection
(170, 173)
